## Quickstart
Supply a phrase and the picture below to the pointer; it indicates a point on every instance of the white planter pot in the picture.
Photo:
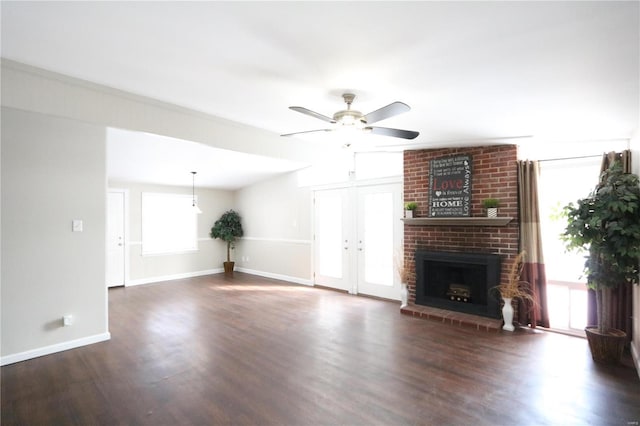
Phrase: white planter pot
(492, 212)
(404, 295)
(408, 214)
(507, 314)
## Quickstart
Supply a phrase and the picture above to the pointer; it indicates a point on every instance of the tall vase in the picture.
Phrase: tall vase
(507, 314)
(404, 295)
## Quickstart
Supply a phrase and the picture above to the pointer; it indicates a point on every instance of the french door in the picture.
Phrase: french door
(379, 232)
(357, 234)
(332, 241)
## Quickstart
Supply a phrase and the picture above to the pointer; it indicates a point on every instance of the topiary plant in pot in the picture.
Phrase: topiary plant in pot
(606, 224)
(410, 209)
(228, 228)
(491, 204)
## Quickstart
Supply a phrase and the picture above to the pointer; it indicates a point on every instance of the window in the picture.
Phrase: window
(169, 225)
(562, 182)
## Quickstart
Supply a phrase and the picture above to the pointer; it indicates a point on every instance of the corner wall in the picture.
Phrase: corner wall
(277, 235)
(53, 171)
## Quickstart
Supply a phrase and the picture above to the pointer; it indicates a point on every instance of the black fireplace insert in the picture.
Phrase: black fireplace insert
(460, 282)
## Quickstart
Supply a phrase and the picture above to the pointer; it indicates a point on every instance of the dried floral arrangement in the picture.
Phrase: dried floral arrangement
(403, 272)
(516, 288)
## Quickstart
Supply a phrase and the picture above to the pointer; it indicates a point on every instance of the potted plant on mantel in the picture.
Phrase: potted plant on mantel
(491, 204)
(228, 228)
(410, 208)
(607, 225)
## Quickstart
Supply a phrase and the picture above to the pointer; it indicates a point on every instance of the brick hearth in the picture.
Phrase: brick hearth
(459, 319)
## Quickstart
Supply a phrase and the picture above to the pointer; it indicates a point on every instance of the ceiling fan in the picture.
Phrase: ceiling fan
(349, 118)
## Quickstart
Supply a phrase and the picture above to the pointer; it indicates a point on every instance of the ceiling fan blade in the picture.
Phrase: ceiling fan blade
(308, 131)
(396, 133)
(312, 113)
(386, 112)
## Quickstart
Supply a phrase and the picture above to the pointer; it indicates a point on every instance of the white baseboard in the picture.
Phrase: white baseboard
(173, 277)
(636, 356)
(58, 347)
(288, 278)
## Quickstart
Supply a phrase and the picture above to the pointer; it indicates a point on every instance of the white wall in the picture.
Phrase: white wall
(276, 220)
(211, 253)
(53, 171)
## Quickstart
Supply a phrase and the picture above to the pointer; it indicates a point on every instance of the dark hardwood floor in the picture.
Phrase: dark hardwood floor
(253, 351)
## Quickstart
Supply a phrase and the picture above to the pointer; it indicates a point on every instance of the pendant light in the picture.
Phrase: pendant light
(194, 206)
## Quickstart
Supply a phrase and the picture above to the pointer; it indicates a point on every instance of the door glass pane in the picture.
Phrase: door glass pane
(561, 182)
(329, 244)
(558, 303)
(378, 237)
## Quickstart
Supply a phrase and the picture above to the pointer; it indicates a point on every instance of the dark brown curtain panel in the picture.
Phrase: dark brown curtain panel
(619, 299)
(533, 272)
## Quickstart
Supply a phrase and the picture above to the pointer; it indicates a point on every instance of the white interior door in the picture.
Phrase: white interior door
(331, 240)
(115, 239)
(379, 240)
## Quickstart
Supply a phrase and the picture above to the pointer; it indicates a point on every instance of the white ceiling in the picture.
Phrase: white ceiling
(471, 71)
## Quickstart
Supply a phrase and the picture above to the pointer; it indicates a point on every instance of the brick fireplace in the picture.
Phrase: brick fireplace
(494, 175)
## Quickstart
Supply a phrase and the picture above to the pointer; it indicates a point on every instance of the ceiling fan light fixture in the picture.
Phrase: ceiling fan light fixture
(352, 120)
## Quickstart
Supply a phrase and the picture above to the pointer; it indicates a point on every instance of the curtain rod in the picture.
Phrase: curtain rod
(571, 158)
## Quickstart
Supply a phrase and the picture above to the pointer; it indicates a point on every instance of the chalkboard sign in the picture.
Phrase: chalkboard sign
(450, 186)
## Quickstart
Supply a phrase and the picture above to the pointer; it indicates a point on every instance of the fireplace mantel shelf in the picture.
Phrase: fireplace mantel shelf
(459, 221)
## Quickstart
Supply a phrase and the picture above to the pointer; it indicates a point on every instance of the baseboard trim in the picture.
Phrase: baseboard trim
(281, 277)
(58, 347)
(173, 277)
(635, 354)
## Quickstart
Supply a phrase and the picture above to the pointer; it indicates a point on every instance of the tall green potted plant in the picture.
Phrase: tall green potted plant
(606, 224)
(228, 228)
